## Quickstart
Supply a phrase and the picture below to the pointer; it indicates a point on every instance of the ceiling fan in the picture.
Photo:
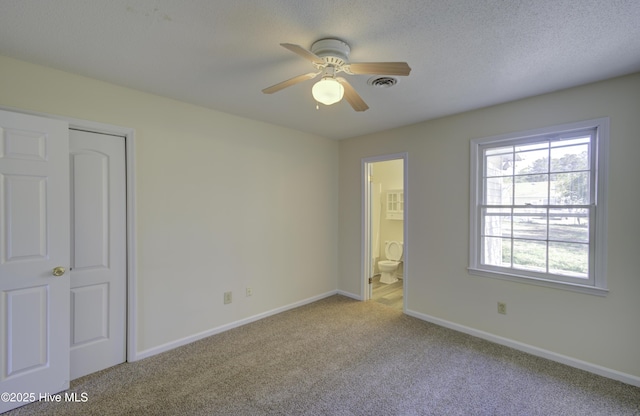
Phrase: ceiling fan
(330, 57)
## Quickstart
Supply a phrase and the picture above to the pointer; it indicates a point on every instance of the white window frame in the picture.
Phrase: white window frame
(597, 282)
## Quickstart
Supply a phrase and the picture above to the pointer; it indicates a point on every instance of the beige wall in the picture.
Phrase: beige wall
(603, 331)
(222, 202)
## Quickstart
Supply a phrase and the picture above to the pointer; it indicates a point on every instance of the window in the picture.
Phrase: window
(538, 206)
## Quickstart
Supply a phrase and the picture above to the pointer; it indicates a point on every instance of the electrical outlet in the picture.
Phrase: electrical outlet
(227, 297)
(249, 291)
(502, 308)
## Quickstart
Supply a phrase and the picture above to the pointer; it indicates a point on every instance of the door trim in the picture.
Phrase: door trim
(129, 136)
(365, 263)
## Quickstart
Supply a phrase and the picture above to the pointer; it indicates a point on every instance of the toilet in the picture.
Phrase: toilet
(393, 252)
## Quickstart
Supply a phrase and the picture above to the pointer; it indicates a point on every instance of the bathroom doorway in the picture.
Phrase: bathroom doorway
(385, 229)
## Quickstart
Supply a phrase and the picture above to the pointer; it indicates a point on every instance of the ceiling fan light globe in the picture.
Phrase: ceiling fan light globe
(327, 91)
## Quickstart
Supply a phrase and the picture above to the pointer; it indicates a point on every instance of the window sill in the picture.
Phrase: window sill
(590, 290)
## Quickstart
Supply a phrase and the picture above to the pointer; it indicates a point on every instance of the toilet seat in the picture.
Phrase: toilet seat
(393, 251)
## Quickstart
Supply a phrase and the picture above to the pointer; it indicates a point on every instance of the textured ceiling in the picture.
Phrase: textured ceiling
(464, 54)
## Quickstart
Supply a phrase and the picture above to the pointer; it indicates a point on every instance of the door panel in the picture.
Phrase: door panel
(92, 303)
(90, 191)
(25, 232)
(98, 252)
(34, 239)
(27, 330)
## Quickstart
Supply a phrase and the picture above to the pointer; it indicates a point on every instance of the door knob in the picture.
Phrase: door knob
(58, 271)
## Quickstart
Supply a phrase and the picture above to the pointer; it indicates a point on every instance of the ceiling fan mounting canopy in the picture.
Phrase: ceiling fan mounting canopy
(332, 51)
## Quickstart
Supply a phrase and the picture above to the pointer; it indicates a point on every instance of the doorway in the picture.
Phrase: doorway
(385, 223)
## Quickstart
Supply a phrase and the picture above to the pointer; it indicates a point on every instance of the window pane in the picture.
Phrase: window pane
(533, 161)
(499, 165)
(539, 145)
(497, 222)
(569, 259)
(496, 251)
(498, 191)
(498, 150)
(530, 255)
(570, 188)
(530, 223)
(570, 158)
(571, 141)
(532, 192)
(570, 225)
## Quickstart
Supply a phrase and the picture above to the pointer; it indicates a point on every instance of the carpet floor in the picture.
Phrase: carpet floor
(338, 356)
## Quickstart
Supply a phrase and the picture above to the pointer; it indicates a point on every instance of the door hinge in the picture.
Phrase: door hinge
(370, 280)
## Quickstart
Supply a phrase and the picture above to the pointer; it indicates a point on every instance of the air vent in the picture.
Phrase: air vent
(382, 82)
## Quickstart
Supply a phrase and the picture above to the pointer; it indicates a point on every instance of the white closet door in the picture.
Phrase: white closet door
(98, 252)
(34, 258)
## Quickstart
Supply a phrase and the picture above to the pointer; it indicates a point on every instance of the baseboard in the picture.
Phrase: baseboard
(530, 349)
(204, 334)
(349, 295)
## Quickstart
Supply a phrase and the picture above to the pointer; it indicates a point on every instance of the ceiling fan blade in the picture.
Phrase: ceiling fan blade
(295, 80)
(306, 54)
(380, 68)
(352, 96)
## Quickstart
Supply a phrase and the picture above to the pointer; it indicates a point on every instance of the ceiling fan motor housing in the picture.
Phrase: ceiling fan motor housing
(333, 51)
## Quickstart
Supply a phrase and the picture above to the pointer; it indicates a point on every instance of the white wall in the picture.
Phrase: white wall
(602, 331)
(222, 202)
